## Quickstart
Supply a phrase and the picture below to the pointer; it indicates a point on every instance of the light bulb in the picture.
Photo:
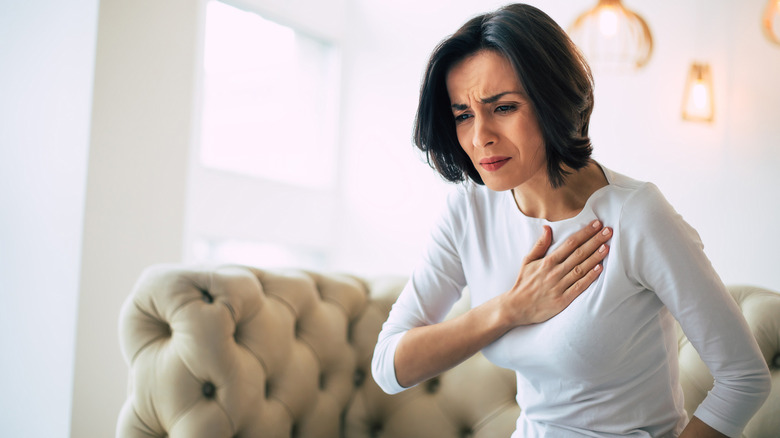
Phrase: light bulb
(700, 98)
(608, 21)
(698, 102)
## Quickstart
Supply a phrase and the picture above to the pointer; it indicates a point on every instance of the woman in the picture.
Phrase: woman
(506, 102)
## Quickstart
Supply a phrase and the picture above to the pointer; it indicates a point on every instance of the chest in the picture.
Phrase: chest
(608, 326)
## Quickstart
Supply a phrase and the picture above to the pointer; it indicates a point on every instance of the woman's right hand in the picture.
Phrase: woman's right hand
(547, 284)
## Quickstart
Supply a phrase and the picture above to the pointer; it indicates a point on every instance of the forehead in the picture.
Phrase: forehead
(481, 75)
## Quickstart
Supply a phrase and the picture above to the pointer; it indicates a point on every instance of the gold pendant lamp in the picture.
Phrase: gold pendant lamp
(771, 21)
(613, 37)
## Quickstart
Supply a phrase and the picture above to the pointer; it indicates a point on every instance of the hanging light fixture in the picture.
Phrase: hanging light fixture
(613, 37)
(698, 103)
(772, 21)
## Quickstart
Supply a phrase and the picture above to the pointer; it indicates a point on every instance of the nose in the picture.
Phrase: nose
(484, 134)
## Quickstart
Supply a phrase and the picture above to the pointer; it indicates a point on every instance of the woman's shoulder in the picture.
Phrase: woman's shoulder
(621, 181)
(640, 201)
(632, 190)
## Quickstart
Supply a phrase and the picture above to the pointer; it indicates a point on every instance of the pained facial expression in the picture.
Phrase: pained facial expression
(495, 122)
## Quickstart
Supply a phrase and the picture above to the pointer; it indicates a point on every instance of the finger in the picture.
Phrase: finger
(541, 246)
(587, 249)
(582, 282)
(585, 268)
(576, 240)
(590, 250)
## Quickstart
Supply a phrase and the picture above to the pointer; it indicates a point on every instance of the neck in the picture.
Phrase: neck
(537, 198)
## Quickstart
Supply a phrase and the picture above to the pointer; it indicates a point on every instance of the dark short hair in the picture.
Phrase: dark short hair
(553, 72)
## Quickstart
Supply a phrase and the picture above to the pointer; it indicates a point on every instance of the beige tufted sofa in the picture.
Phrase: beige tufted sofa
(237, 352)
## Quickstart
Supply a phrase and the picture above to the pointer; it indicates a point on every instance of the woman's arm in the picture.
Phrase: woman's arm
(699, 429)
(664, 254)
(545, 286)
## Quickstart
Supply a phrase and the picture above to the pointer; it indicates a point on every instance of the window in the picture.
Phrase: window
(269, 102)
(262, 186)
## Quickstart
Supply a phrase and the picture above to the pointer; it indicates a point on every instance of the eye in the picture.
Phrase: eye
(462, 117)
(505, 108)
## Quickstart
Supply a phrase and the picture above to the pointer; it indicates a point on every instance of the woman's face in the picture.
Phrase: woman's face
(495, 123)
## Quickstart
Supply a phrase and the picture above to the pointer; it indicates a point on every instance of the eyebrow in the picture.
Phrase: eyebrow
(491, 99)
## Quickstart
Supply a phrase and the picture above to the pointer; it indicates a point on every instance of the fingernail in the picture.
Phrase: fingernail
(602, 248)
(606, 231)
(597, 268)
(596, 224)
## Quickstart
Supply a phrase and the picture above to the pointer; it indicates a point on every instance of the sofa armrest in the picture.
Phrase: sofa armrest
(217, 352)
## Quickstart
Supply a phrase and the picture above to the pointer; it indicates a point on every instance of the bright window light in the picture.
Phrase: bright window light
(269, 106)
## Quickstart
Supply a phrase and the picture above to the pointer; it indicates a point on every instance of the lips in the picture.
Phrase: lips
(494, 163)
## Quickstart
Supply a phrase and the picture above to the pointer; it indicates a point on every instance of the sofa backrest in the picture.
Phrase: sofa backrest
(235, 351)
(242, 352)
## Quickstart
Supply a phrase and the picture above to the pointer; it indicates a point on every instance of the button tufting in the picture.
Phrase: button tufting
(322, 381)
(294, 431)
(358, 378)
(376, 430)
(776, 361)
(206, 296)
(432, 386)
(209, 390)
(466, 432)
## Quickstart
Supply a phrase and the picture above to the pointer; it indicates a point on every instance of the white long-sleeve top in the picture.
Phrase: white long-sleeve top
(607, 365)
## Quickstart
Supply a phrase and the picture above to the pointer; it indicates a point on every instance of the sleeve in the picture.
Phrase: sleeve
(665, 255)
(435, 285)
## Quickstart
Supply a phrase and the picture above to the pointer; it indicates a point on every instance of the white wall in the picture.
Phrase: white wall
(720, 177)
(46, 62)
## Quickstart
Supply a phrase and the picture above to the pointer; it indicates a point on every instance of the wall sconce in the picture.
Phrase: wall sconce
(772, 21)
(612, 36)
(698, 102)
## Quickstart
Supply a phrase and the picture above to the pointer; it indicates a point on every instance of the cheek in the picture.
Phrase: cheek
(464, 140)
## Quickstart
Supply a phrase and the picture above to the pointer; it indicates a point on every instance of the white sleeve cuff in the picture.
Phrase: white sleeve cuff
(383, 364)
